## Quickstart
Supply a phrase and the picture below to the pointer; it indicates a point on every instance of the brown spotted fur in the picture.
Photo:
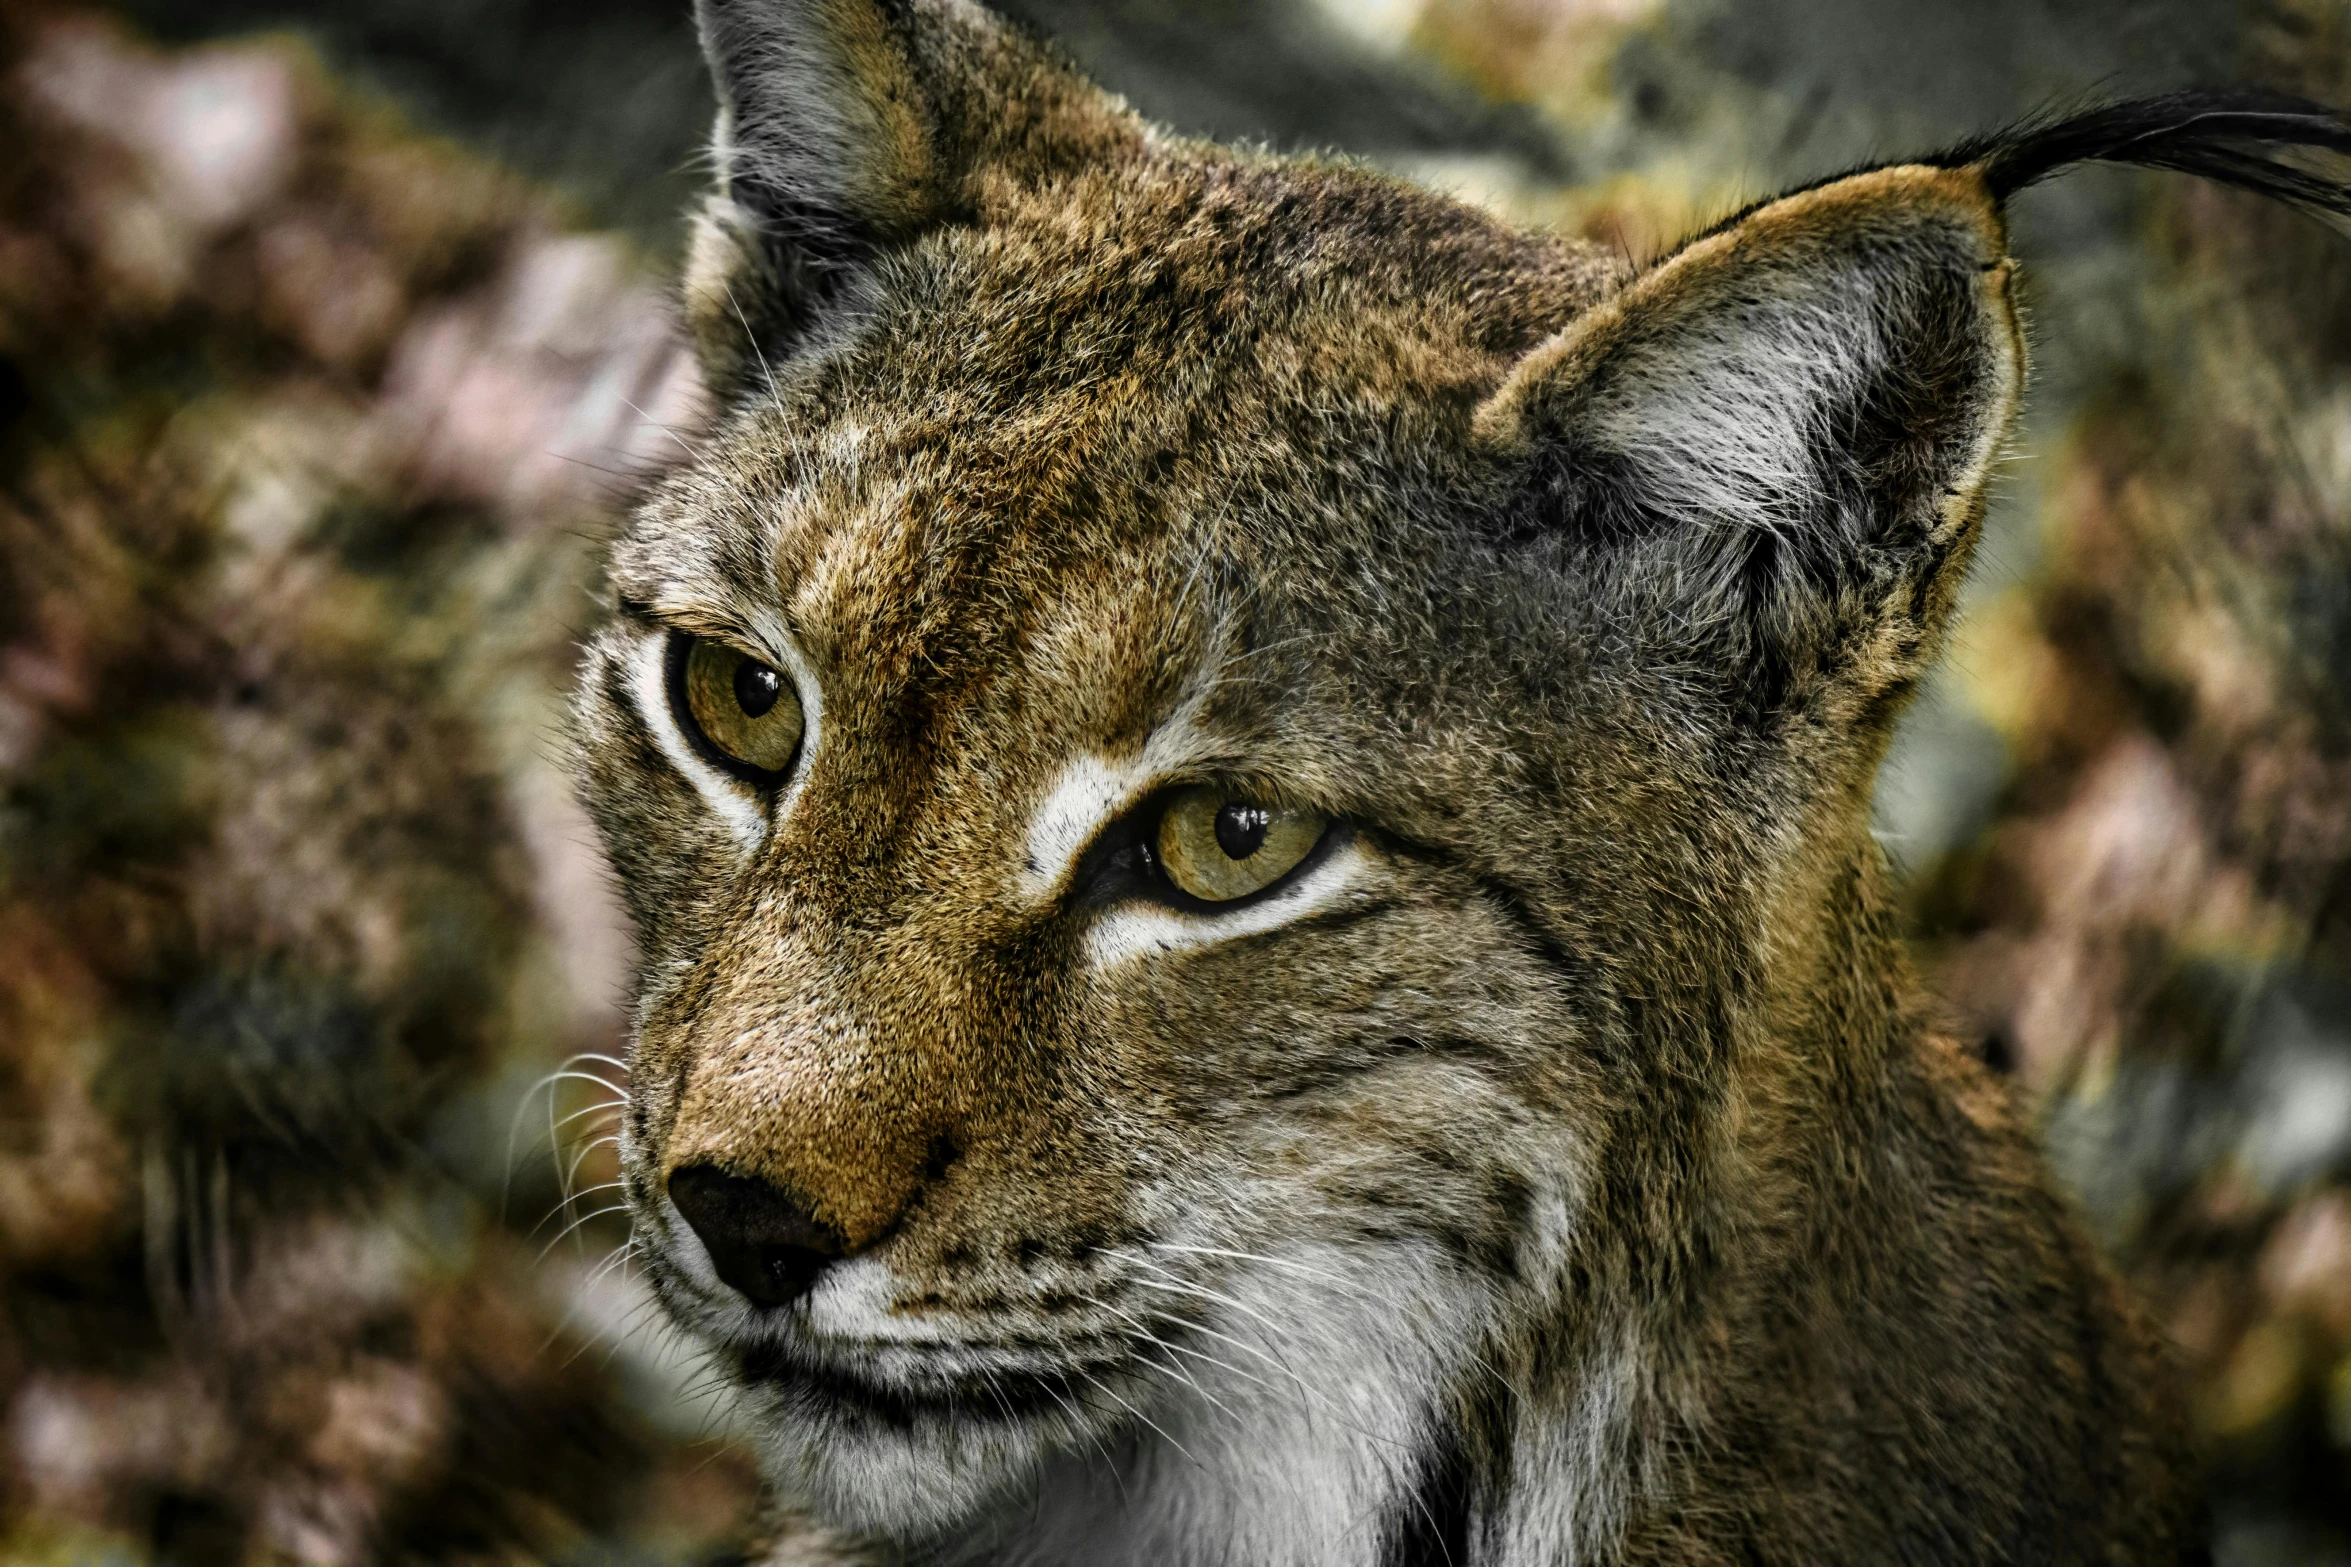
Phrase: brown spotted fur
(1582, 1182)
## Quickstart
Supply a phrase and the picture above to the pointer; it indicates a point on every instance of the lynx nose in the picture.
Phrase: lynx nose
(761, 1239)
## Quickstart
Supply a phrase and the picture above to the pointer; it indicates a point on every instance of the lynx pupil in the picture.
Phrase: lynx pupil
(1216, 848)
(756, 688)
(1241, 828)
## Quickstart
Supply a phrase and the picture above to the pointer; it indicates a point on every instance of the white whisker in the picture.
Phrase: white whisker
(1156, 1341)
(585, 1218)
(1109, 1393)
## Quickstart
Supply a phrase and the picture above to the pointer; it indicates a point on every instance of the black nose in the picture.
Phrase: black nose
(761, 1238)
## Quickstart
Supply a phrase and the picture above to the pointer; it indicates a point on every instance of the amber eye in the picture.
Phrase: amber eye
(742, 709)
(1218, 847)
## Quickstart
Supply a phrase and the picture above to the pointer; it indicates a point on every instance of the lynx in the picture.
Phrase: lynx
(1246, 794)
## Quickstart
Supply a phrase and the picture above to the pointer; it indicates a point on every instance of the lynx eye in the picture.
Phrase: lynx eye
(1217, 847)
(743, 711)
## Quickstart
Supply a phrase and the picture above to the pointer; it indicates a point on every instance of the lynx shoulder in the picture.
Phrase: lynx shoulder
(1246, 793)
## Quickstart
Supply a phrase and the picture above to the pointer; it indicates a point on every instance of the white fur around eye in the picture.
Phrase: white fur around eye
(734, 804)
(740, 806)
(1089, 793)
(1143, 930)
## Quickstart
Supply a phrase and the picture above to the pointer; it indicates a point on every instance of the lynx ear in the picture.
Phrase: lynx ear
(1775, 442)
(847, 127)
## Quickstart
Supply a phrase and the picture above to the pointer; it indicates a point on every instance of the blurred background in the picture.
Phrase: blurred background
(333, 336)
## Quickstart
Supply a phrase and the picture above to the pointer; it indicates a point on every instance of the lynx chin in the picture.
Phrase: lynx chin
(1245, 793)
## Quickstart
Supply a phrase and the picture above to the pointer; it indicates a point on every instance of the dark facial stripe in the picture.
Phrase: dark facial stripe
(1431, 1523)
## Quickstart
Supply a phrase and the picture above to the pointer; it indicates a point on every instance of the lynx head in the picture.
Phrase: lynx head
(1234, 776)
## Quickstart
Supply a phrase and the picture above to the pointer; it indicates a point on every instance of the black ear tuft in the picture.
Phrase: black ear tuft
(2243, 138)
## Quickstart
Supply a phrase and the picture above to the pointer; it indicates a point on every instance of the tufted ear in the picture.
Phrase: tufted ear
(848, 127)
(1775, 442)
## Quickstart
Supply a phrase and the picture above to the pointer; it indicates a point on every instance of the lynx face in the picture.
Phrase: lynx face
(1125, 965)
(1227, 772)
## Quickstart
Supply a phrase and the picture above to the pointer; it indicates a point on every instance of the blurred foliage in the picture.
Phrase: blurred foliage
(305, 422)
(310, 413)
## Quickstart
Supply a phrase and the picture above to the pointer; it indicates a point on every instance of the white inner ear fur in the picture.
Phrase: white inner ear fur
(735, 802)
(1721, 417)
(815, 107)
